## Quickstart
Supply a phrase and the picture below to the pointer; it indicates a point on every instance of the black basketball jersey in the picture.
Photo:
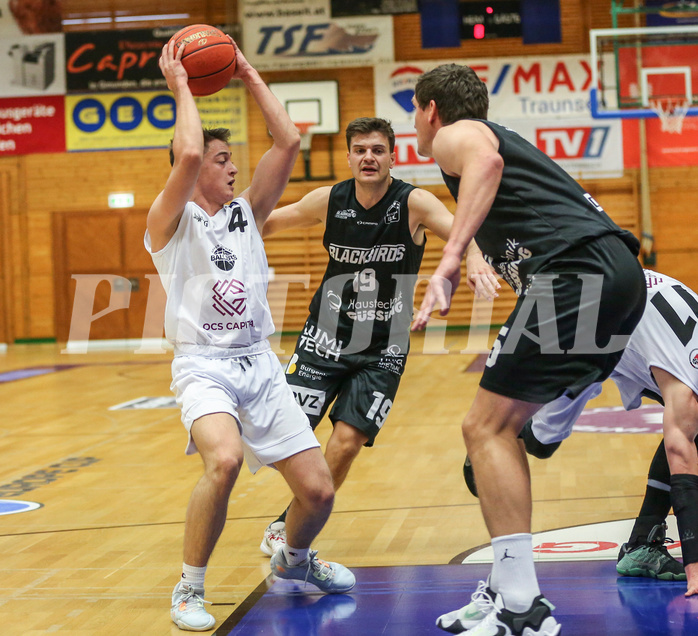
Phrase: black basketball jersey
(368, 288)
(539, 212)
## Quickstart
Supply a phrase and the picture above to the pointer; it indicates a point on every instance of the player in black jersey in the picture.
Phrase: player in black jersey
(659, 363)
(581, 293)
(355, 341)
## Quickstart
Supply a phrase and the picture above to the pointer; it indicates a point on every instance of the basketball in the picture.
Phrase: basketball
(208, 57)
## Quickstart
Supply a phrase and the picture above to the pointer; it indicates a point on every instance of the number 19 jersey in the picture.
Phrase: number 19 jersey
(368, 288)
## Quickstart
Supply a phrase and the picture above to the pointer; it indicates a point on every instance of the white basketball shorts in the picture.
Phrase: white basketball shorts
(249, 384)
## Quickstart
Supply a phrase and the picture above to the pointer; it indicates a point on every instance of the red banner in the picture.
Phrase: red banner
(32, 125)
(663, 148)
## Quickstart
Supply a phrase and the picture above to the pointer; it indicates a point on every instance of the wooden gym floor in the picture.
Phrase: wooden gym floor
(102, 553)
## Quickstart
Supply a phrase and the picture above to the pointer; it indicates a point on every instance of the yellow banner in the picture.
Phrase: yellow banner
(119, 121)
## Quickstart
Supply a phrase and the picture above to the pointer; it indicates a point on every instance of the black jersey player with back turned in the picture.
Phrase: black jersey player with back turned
(581, 293)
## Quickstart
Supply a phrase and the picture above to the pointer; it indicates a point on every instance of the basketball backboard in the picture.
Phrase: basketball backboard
(315, 103)
(633, 69)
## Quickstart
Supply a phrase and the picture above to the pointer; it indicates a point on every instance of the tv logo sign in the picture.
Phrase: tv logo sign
(406, 151)
(584, 142)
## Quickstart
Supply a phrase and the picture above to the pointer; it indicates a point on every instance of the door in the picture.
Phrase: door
(106, 285)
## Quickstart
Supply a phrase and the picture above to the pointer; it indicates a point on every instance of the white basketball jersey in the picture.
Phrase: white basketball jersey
(214, 270)
(666, 337)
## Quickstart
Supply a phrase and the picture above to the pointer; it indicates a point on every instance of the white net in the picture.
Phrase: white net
(306, 136)
(306, 141)
(671, 112)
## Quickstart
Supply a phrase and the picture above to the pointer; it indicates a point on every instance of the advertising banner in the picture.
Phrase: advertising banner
(33, 65)
(409, 165)
(32, 125)
(304, 42)
(664, 149)
(109, 61)
(544, 98)
(674, 13)
(585, 149)
(524, 87)
(373, 7)
(275, 9)
(118, 121)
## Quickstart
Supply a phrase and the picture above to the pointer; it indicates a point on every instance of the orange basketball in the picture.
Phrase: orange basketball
(209, 57)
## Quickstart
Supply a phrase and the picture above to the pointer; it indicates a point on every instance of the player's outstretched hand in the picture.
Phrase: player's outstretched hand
(481, 276)
(442, 286)
(242, 67)
(170, 63)
(484, 284)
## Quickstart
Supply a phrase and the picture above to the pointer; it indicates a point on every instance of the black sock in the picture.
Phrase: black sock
(684, 495)
(657, 501)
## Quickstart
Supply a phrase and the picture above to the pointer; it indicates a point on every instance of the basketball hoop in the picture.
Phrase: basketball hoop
(306, 136)
(306, 141)
(671, 112)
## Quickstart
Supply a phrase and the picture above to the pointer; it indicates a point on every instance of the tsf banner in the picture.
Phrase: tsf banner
(544, 98)
(117, 121)
(302, 41)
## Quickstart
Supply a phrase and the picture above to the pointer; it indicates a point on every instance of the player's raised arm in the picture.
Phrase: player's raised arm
(309, 211)
(188, 150)
(274, 168)
(468, 150)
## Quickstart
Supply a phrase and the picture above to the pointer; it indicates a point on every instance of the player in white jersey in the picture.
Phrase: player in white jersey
(660, 361)
(230, 386)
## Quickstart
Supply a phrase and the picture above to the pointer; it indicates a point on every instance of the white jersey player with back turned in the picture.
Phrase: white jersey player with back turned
(660, 361)
(665, 339)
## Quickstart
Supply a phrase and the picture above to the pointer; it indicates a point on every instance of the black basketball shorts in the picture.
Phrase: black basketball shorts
(362, 385)
(571, 327)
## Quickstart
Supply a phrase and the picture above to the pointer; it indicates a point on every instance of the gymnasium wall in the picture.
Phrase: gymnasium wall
(36, 188)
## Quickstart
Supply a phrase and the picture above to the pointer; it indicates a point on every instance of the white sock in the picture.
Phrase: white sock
(194, 576)
(295, 556)
(513, 573)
